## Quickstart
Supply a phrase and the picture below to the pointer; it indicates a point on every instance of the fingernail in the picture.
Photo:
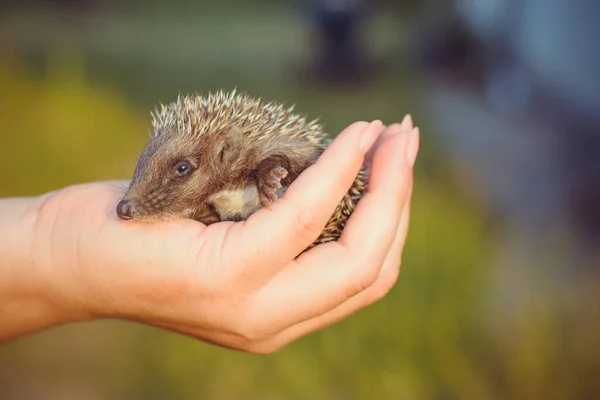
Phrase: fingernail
(407, 123)
(370, 135)
(413, 147)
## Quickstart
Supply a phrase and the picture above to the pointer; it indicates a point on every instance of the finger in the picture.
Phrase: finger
(393, 260)
(407, 123)
(271, 238)
(381, 207)
(391, 265)
(329, 274)
(393, 257)
(395, 129)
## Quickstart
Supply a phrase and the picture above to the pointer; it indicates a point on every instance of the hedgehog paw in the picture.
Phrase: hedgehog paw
(269, 184)
(206, 214)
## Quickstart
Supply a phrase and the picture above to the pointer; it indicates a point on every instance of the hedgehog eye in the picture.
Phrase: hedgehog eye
(183, 168)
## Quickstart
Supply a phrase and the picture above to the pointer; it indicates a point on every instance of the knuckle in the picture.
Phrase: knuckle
(363, 280)
(266, 347)
(344, 173)
(385, 283)
(307, 224)
(249, 333)
(253, 331)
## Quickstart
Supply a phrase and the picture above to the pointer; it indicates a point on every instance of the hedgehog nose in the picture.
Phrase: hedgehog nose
(124, 210)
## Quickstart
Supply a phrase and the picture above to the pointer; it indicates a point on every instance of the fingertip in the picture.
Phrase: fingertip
(388, 132)
(370, 135)
(407, 123)
(355, 126)
(413, 147)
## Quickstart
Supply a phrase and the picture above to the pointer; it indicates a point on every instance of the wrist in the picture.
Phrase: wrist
(30, 297)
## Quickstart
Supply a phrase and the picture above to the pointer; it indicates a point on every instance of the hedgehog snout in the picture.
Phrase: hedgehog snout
(125, 210)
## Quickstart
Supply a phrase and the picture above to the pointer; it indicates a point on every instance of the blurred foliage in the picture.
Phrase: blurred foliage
(443, 332)
(52, 126)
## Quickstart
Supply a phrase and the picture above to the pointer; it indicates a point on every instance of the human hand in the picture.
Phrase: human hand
(238, 285)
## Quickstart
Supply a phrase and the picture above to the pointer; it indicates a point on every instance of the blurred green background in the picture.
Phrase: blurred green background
(483, 308)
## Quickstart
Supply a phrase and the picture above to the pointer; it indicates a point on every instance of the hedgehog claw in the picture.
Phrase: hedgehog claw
(279, 173)
(269, 184)
(276, 185)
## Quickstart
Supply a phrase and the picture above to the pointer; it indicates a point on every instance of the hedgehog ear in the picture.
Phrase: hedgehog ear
(230, 147)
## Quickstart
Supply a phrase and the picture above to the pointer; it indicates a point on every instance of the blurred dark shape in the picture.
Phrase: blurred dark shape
(580, 140)
(340, 54)
(533, 62)
(451, 51)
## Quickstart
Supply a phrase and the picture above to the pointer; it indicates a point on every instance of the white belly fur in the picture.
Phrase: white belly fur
(236, 203)
(239, 203)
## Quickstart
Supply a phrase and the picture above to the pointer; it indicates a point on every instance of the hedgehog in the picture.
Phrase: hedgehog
(222, 157)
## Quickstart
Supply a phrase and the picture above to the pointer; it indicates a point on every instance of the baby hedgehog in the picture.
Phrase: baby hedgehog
(224, 156)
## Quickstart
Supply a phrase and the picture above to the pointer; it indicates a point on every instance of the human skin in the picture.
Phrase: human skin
(66, 257)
